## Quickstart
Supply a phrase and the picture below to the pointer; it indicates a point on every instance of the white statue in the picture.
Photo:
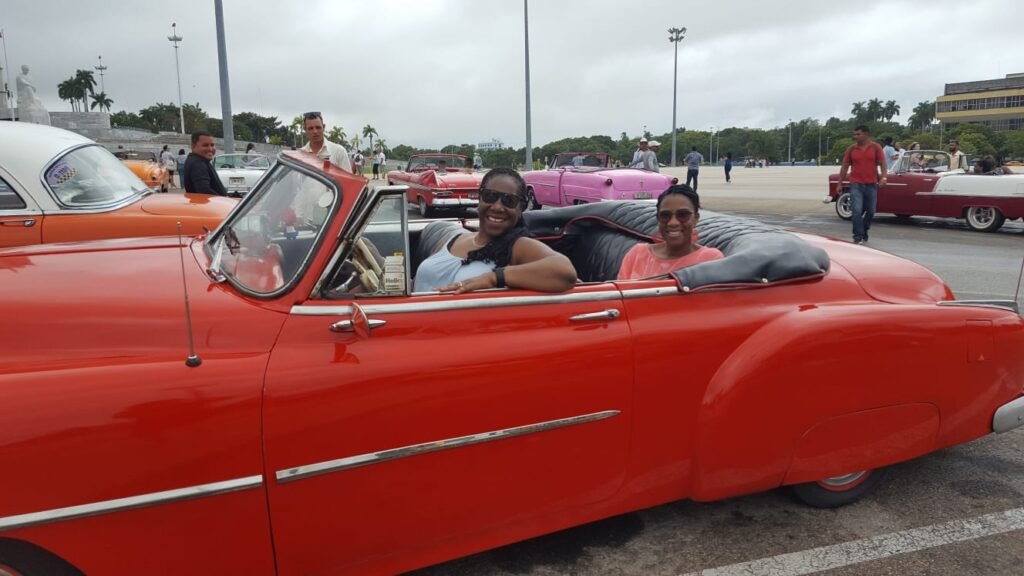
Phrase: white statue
(30, 108)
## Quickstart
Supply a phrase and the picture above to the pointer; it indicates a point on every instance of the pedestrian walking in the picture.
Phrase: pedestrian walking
(357, 161)
(181, 166)
(376, 165)
(478, 161)
(864, 159)
(382, 160)
(693, 161)
(313, 124)
(199, 177)
(728, 167)
(170, 163)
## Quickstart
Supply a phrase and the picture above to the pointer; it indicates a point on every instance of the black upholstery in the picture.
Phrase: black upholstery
(597, 236)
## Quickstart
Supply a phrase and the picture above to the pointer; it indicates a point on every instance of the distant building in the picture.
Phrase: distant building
(998, 104)
(491, 146)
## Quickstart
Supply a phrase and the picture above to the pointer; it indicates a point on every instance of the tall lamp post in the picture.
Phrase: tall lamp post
(675, 37)
(790, 153)
(101, 68)
(711, 148)
(174, 38)
(225, 85)
(526, 38)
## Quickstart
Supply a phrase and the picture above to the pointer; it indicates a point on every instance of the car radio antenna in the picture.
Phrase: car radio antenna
(192, 361)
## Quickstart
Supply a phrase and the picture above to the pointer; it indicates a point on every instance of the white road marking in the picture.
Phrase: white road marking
(875, 548)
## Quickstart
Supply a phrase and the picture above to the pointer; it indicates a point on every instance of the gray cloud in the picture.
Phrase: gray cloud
(431, 72)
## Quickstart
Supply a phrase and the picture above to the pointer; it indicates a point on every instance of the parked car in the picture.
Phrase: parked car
(585, 177)
(240, 172)
(921, 183)
(432, 189)
(276, 418)
(146, 166)
(57, 186)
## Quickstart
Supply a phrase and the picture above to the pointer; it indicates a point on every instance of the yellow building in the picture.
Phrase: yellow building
(998, 104)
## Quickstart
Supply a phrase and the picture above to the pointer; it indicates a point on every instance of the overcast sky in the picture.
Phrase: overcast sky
(434, 72)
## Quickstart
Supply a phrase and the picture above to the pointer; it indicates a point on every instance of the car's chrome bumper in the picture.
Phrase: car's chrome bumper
(827, 199)
(455, 202)
(1009, 416)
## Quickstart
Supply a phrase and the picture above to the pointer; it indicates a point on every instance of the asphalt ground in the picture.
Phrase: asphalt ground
(955, 512)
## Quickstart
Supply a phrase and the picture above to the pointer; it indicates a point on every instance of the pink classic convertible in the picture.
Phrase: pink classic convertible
(585, 177)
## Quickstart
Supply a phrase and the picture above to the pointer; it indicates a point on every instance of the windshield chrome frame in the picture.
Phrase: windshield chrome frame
(91, 209)
(283, 163)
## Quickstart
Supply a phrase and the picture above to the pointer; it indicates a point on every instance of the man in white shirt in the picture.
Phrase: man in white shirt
(638, 154)
(383, 161)
(313, 124)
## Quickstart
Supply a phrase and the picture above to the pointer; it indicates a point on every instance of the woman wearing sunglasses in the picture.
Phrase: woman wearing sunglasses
(678, 213)
(501, 253)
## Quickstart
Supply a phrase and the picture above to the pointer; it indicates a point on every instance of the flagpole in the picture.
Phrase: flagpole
(7, 89)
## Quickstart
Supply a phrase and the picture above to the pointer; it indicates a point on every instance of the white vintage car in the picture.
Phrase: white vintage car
(240, 172)
(923, 183)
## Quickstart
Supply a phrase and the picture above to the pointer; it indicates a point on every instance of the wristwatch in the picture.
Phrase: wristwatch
(499, 275)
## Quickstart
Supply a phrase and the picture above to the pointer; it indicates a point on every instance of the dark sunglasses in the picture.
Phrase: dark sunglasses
(311, 115)
(508, 200)
(683, 216)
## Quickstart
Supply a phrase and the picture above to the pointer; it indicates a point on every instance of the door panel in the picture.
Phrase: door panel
(545, 187)
(437, 377)
(21, 222)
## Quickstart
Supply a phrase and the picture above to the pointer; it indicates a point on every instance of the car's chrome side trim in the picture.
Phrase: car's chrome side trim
(460, 304)
(650, 292)
(120, 504)
(300, 472)
(1000, 304)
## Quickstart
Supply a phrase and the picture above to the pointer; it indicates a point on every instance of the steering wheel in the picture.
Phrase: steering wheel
(362, 270)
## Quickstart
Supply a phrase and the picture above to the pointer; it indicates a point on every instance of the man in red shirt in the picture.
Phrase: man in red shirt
(864, 159)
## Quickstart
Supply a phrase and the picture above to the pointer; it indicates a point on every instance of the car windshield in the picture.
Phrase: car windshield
(926, 161)
(432, 162)
(229, 161)
(264, 246)
(91, 177)
(132, 155)
(578, 159)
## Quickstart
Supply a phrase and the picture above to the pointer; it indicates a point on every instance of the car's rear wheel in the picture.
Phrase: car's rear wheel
(425, 211)
(984, 218)
(843, 208)
(531, 200)
(839, 490)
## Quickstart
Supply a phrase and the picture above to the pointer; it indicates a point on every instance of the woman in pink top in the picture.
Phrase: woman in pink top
(678, 213)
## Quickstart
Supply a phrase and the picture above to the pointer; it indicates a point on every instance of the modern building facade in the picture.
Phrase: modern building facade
(998, 104)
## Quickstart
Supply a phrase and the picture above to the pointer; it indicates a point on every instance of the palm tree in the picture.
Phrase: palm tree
(66, 91)
(369, 132)
(874, 109)
(337, 135)
(356, 141)
(890, 109)
(923, 114)
(295, 128)
(102, 101)
(382, 145)
(858, 110)
(85, 82)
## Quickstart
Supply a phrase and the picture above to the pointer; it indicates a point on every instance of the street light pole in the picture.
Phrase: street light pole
(526, 39)
(820, 127)
(675, 37)
(225, 85)
(790, 140)
(101, 69)
(174, 38)
(711, 147)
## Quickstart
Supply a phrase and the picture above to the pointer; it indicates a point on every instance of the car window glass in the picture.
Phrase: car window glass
(91, 177)
(376, 261)
(9, 199)
(267, 242)
(928, 161)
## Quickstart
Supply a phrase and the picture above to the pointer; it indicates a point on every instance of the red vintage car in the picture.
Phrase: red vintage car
(272, 398)
(439, 182)
(922, 183)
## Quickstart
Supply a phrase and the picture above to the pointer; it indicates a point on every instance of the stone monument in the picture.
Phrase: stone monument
(30, 108)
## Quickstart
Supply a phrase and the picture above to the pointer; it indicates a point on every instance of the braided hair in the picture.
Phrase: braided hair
(499, 250)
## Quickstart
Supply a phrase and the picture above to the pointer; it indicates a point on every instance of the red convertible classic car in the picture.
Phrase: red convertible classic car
(585, 177)
(274, 419)
(922, 183)
(438, 181)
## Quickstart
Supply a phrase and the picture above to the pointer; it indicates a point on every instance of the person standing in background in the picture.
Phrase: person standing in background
(170, 163)
(382, 162)
(376, 164)
(693, 161)
(199, 177)
(864, 159)
(728, 167)
(313, 124)
(651, 160)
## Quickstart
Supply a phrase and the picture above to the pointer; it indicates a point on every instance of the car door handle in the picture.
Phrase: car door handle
(347, 326)
(609, 314)
(25, 223)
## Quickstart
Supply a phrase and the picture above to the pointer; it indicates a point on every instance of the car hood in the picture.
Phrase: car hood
(133, 164)
(191, 205)
(89, 304)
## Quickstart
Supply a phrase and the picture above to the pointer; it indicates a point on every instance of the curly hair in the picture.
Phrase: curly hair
(499, 250)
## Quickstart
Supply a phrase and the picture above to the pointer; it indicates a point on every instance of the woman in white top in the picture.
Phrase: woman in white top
(500, 254)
